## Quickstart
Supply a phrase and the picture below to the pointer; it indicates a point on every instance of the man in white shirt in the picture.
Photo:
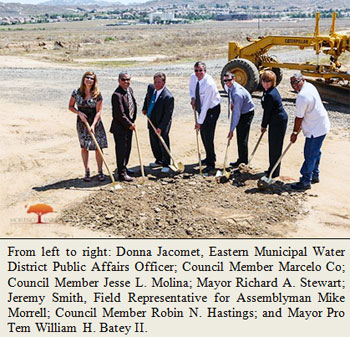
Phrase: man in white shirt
(205, 98)
(312, 117)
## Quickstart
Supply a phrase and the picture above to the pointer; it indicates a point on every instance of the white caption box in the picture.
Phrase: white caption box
(207, 288)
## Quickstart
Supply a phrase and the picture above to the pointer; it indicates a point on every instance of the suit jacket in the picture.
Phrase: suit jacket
(162, 112)
(274, 113)
(120, 109)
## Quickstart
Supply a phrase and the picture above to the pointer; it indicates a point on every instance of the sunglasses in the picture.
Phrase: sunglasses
(294, 82)
(198, 70)
(125, 79)
(266, 80)
(229, 80)
(90, 78)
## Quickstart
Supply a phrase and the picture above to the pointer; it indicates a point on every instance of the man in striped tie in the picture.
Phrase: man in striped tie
(158, 106)
(205, 99)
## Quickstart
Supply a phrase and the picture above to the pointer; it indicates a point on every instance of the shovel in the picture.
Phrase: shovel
(140, 158)
(265, 182)
(179, 167)
(224, 175)
(245, 167)
(198, 151)
(114, 184)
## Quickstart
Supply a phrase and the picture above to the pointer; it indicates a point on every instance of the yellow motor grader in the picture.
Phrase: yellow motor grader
(333, 82)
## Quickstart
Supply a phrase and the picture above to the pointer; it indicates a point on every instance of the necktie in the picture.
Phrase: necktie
(228, 102)
(131, 105)
(152, 103)
(198, 99)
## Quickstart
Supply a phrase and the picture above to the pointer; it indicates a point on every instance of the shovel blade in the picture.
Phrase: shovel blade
(173, 168)
(115, 186)
(218, 174)
(180, 167)
(264, 183)
(221, 177)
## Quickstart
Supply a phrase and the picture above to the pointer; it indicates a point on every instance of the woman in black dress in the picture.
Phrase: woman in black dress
(275, 117)
(86, 102)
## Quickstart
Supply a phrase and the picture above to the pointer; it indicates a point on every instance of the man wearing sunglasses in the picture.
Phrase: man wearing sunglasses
(243, 113)
(124, 115)
(312, 117)
(205, 99)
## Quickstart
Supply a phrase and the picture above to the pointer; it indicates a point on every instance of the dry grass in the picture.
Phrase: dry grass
(93, 39)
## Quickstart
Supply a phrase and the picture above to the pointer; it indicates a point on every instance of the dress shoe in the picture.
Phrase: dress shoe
(235, 164)
(315, 180)
(209, 169)
(204, 161)
(157, 163)
(125, 177)
(300, 186)
(130, 172)
(165, 170)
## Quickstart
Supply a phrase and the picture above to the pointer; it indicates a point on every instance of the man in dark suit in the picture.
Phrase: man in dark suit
(122, 127)
(159, 106)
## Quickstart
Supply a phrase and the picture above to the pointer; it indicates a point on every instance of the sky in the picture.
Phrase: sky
(34, 2)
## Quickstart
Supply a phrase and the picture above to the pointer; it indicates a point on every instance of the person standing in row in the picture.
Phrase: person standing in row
(205, 99)
(275, 117)
(124, 114)
(159, 106)
(312, 117)
(86, 102)
(243, 113)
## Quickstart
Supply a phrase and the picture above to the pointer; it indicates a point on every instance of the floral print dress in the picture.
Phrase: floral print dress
(88, 107)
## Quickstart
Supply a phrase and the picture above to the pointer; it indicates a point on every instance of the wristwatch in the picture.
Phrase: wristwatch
(295, 132)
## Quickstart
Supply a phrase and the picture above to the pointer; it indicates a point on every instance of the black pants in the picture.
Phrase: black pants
(122, 139)
(158, 150)
(276, 137)
(208, 132)
(242, 130)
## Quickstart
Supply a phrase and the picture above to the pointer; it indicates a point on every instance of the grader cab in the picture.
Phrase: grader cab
(247, 62)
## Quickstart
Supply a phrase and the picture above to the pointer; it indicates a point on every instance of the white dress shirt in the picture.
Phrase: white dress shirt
(208, 92)
(158, 93)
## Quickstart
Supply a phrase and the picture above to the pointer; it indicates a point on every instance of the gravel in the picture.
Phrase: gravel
(57, 84)
(190, 206)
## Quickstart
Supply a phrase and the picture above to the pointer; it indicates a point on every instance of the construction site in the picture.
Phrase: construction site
(41, 153)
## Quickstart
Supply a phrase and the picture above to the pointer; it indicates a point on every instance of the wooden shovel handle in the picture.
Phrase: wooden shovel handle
(99, 150)
(198, 150)
(255, 148)
(162, 141)
(140, 157)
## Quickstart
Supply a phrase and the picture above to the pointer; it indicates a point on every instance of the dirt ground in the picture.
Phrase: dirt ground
(40, 163)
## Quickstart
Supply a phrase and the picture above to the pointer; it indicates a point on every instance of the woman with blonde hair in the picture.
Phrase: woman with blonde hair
(86, 102)
(275, 117)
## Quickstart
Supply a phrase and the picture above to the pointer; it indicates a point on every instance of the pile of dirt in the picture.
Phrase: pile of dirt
(190, 206)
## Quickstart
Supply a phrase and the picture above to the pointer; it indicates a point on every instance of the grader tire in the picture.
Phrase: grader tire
(279, 75)
(246, 73)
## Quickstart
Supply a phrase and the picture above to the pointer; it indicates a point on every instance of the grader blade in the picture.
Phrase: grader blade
(332, 92)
